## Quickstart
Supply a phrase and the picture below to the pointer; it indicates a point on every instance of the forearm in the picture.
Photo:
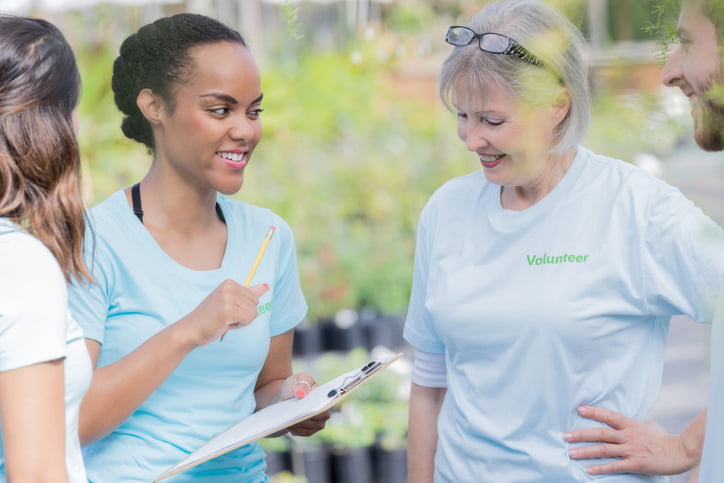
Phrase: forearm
(269, 394)
(425, 406)
(118, 389)
(277, 367)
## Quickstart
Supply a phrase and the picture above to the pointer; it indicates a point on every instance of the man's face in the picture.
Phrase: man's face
(695, 68)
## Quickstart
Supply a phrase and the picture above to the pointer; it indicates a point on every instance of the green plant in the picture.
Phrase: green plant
(279, 444)
(376, 410)
(349, 167)
(392, 426)
(626, 125)
(287, 477)
(110, 161)
(349, 427)
(662, 26)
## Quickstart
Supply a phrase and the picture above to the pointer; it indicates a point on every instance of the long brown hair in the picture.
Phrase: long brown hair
(39, 157)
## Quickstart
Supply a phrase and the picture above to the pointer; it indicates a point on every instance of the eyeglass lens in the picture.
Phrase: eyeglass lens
(494, 43)
(491, 42)
(459, 36)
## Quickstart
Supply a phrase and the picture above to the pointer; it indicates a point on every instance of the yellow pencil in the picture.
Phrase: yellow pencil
(259, 256)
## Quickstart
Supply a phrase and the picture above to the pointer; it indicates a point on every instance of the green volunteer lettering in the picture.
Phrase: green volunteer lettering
(546, 259)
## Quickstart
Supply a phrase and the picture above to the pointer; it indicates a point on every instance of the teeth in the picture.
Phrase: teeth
(490, 159)
(232, 156)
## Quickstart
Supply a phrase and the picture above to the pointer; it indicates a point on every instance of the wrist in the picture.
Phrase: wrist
(691, 449)
(182, 335)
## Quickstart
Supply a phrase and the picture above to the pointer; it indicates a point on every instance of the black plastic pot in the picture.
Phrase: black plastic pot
(352, 465)
(390, 465)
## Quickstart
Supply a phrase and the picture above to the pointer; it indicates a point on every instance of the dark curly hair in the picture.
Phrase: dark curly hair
(39, 156)
(157, 57)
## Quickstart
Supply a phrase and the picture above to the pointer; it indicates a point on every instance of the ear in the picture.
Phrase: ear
(561, 105)
(150, 105)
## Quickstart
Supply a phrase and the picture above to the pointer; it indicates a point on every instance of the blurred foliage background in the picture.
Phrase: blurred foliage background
(355, 137)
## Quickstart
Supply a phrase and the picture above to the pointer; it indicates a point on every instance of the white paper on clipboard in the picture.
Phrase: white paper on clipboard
(281, 415)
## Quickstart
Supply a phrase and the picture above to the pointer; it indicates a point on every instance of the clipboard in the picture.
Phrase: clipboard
(281, 415)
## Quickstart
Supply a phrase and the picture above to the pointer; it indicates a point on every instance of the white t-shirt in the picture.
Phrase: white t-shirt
(36, 326)
(712, 460)
(542, 310)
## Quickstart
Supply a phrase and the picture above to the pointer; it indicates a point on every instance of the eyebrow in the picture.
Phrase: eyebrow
(231, 100)
(221, 97)
(484, 112)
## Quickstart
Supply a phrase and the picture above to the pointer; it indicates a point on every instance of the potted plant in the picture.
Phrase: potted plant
(350, 438)
(278, 455)
(390, 454)
(311, 459)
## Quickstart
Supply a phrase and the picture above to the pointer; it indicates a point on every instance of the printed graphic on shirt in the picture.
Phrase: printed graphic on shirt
(546, 259)
(264, 308)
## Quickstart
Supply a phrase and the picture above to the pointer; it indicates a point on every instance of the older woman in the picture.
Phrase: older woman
(545, 281)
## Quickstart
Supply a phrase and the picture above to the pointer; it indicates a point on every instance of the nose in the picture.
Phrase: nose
(474, 137)
(244, 128)
(672, 75)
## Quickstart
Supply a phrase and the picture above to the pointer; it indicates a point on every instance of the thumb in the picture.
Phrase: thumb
(259, 290)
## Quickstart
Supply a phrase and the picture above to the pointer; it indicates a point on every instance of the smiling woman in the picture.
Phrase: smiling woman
(213, 123)
(546, 281)
(171, 256)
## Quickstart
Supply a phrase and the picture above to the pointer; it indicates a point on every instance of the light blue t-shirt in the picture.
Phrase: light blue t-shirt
(712, 460)
(542, 310)
(139, 291)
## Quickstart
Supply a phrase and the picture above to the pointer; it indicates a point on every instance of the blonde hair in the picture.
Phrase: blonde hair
(549, 36)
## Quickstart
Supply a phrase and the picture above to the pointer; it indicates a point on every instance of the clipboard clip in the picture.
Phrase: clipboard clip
(352, 381)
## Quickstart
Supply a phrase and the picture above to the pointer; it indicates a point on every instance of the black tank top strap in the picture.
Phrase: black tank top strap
(136, 199)
(138, 210)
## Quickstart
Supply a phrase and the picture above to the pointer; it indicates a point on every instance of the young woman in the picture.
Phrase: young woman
(44, 364)
(172, 254)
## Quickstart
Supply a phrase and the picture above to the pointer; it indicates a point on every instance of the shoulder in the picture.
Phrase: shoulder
(32, 285)
(109, 219)
(621, 177)
(252, 217)
(455, 192)
(21, 255)
(462, 185)
(107, 210)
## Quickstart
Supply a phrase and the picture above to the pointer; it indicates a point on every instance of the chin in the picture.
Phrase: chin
(494, 178)
(229, 189)
(709, 127)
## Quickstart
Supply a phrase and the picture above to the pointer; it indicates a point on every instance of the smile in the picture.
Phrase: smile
(234, 159)
(490, 161)
(232, 156)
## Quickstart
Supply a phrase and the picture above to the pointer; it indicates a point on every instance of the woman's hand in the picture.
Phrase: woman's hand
(229, 306)
(299, 385)
(639, 447)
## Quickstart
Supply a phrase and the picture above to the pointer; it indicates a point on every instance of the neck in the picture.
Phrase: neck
(170, 203)
(524, 196)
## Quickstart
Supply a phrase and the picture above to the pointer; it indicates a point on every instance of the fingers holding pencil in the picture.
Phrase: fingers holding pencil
(229, 306)
(254, 267)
